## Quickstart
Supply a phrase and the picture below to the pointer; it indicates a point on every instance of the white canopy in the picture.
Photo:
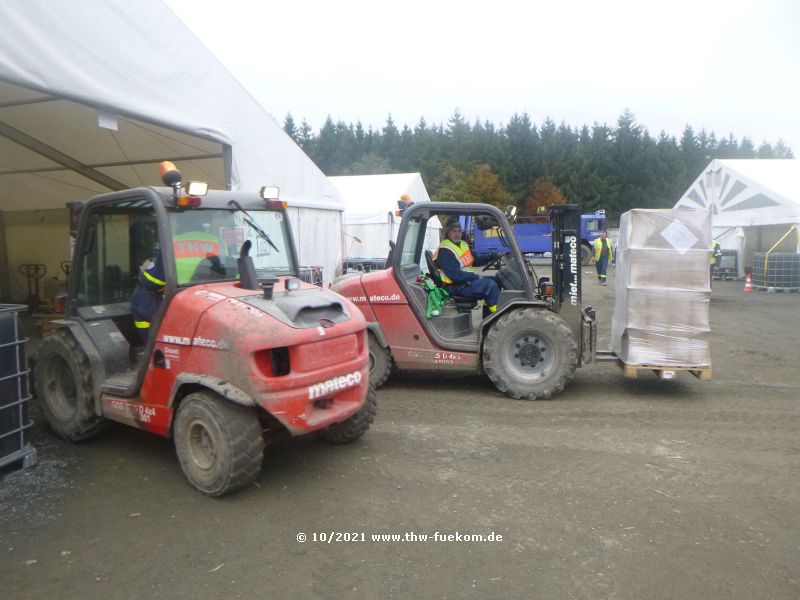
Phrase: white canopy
(78, 68)
(370, 202)
(754, 204)
(372, 198)
(747, 192)
(94, 94)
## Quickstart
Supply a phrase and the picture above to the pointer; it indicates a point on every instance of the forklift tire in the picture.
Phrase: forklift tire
(353, 428)
(219, 444)
(380, 362)
(64, 387)
(530, 353)
(586, 254)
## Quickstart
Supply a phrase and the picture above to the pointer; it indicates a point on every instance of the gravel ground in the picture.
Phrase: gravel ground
(616, 488)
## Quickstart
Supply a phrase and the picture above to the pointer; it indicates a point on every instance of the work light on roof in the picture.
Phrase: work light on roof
(270, 192)
(196, 188)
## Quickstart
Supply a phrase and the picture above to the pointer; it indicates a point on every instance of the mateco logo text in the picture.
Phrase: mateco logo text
(573, 269)
(335, 384)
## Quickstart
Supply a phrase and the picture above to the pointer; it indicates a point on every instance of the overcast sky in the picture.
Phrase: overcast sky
(730, 66)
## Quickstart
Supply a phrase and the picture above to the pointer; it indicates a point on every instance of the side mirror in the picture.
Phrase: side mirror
(511, 213)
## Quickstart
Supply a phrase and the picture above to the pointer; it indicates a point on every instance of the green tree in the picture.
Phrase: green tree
(369, 164)
(390, 142)
(290, 127)
(450, 186)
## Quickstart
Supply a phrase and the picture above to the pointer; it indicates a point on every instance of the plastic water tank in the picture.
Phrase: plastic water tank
(14, 391)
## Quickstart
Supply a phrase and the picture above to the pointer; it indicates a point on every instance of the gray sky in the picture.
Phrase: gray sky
(730, 66)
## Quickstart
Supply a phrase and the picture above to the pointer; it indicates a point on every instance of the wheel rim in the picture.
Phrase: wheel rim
(62, 393)
(202, 447)
(530, 355)
(371, 362)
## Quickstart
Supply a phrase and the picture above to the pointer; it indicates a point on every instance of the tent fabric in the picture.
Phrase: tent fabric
(94, 94)
(138, 60)
(753, 203)
(370, 203)
(744, 192)
(370, 199)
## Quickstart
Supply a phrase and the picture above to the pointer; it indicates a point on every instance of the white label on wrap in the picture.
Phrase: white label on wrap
(679, 237)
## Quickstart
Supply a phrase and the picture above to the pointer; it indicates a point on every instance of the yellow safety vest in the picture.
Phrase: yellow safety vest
(461, 252)
(598, 249)
(190, 250)
(715, 252)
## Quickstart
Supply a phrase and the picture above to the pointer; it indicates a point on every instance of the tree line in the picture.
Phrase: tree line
(597, 166)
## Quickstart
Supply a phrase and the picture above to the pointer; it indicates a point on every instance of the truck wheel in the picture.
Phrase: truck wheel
(530, 353)
(380, 362)
(586, 254)
(354, 427)
(219, 444)
(64, 387)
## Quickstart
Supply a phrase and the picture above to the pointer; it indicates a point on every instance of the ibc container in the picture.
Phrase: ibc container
(14, 391)
(779, 270)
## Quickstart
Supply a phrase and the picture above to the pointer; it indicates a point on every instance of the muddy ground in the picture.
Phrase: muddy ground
(613, 489)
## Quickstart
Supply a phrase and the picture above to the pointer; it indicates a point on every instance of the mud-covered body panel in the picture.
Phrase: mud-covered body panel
(378, 295)
(225, 335)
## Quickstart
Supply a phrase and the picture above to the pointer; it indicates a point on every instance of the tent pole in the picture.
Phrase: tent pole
(5, 283)
(227, 162)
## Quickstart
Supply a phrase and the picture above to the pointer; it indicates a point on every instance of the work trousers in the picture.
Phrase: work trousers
(602, 266)
(485, 288)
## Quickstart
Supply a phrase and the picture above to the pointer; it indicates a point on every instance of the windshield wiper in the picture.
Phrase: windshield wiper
(249, 220)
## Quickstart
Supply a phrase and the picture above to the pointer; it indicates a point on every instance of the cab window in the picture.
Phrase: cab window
(117, 239)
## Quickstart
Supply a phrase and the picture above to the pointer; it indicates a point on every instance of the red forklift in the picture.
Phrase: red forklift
(529, 348)
(240, 345)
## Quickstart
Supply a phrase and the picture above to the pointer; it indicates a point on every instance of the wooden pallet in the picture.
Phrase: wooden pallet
(632, 371)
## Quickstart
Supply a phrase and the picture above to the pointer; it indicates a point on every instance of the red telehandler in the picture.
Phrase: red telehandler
(240, 345)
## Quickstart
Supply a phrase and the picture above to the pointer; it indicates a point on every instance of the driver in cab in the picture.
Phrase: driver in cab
(454, 261)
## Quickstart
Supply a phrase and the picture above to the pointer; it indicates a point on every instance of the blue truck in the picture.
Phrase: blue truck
(534, 235)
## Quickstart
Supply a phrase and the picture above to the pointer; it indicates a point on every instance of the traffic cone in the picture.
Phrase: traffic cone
(748, 284)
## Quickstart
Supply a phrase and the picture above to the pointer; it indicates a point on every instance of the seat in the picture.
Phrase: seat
(463, 303)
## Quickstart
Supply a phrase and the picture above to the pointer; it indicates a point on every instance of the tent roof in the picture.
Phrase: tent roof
(94, 95)
(371, 198)
(743, 192)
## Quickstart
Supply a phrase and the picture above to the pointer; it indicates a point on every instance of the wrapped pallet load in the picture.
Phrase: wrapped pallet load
(663, 288)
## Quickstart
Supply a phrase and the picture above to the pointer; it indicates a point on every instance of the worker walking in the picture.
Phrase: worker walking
(602, 256)
(147, 296)
(454, 262)
(716, 257)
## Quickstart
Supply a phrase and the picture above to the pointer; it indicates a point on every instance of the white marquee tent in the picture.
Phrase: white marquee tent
(94, 94)
(753, 203)
(370, 202)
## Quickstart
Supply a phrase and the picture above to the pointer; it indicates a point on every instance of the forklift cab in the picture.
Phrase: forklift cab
(461, 319)
(198, 245)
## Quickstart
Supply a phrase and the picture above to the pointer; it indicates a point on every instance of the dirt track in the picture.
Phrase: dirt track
(613, 489)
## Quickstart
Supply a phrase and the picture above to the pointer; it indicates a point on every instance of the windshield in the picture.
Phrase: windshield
(207, 242)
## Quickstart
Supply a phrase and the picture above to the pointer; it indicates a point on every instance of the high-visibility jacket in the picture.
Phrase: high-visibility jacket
(716, 252)
(146, 299)
(191, 249)
(462, 253)
(598, 249)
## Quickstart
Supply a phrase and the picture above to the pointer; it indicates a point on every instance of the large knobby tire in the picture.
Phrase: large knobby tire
(219, 444)
(64, 388)
(530, 353)
(380, 362)
(586, 254)
(353, 428)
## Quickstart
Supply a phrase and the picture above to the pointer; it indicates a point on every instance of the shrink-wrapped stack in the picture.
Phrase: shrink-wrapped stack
(663, 288)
